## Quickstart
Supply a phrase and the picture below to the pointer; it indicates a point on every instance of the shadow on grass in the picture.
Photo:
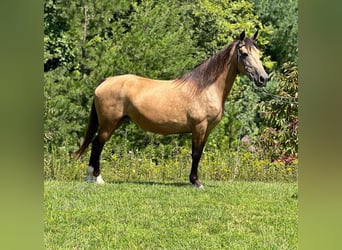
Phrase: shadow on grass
(159, 183)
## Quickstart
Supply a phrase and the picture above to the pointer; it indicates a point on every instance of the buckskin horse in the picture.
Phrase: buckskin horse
(192, 103)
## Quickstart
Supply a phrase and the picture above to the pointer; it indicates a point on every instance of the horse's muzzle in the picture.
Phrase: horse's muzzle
(260, 80)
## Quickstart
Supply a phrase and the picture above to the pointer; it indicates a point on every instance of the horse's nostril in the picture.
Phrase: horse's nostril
(263, 79)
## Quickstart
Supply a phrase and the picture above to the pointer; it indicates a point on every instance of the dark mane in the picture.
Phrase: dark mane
(208, 71)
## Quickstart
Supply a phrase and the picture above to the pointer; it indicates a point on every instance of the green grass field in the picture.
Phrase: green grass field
(169, 215)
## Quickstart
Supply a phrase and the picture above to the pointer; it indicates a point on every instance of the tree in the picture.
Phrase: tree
(158, 43)
(282, 16)
(218, 23)
(75, 34)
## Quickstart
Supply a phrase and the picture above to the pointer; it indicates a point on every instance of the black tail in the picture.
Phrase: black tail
(91, 131)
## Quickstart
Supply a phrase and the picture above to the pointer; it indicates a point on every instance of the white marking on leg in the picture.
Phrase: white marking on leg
(90, 174)
(99, 180)
(91, 178)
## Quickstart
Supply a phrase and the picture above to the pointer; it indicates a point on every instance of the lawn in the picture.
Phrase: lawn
(169, 215)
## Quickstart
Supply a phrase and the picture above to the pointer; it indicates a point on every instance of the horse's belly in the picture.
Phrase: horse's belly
(161, 109)
(161, 123)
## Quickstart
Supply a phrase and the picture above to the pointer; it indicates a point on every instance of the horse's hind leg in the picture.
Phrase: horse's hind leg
(93, 171)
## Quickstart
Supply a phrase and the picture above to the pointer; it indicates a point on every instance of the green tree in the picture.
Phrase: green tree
(218, 23)
(282, 16)
(159, 41)
(75, 34)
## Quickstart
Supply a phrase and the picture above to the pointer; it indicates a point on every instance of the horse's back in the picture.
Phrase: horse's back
(128, 83)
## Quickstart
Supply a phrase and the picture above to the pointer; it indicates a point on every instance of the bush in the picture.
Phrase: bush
(155, 164)
(279, 128)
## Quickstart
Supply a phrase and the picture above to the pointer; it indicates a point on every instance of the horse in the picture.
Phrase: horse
(192, 103)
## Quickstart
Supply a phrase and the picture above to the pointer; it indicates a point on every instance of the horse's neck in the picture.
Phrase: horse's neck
(226, 80)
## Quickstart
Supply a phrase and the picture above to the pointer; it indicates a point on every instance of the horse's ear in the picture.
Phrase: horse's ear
(242, 35)
(255, 35)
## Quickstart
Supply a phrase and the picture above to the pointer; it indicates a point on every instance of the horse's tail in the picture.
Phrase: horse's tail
(91, 131)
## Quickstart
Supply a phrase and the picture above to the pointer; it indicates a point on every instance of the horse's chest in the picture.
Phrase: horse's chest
(214, 109)
(215, 115)
(208, 110)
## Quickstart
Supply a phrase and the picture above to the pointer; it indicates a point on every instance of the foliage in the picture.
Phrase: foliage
(172, 163)
(218, 23)
(280, 118)
(164, 30)
(282, 16)
(169, 215)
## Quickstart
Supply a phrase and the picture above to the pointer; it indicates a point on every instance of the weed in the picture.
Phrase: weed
(160, 163)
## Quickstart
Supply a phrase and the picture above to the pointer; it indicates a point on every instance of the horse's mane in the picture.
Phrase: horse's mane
(207, 72)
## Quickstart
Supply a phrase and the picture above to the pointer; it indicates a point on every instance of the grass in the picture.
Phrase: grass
(170, 215)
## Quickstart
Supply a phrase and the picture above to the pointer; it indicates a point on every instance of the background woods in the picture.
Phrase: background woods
(85, 41)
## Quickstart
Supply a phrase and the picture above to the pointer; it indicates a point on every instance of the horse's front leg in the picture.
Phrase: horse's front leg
(196, 156)
(198, 142)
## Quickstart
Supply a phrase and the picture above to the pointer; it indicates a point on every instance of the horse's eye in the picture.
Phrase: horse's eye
(244, 54)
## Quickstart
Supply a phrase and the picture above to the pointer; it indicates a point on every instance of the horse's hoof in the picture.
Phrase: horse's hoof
(198, 185)
(91, 178)
(99, 180)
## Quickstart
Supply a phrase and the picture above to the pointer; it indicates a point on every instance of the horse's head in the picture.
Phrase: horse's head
(248, 59)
